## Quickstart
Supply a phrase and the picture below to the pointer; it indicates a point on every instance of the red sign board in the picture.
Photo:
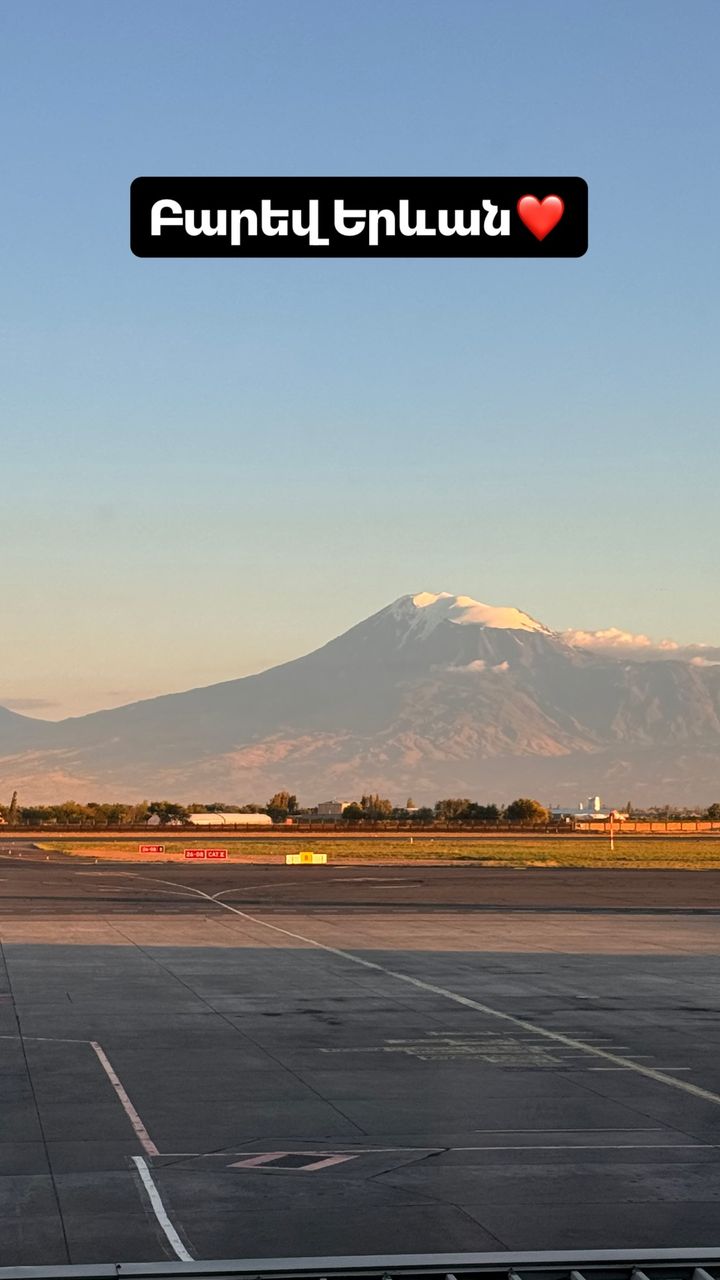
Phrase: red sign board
(217, 853)
(151, 848)
(194, 853)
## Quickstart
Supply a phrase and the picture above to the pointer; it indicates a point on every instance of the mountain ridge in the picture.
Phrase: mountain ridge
(434, 692)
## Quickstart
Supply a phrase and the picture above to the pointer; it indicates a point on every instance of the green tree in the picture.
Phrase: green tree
(527, 811)
(713, 812)
(70, 813)
(167, 810)
(451, 810)
(375, 806)
(13, 816)
(34, 815)
(281, 805)
(353, 812)
(482, 813)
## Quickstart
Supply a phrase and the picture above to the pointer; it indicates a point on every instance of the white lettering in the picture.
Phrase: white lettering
(313, 226)
(458, 227)
(341, 214)
(158, 219)
(374, 216)
(491, 212)
(268, 214)
(206, 227)
(420, 228)
(236, 217)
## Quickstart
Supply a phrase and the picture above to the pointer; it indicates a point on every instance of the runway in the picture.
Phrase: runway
(30, 884)
(204, 1063)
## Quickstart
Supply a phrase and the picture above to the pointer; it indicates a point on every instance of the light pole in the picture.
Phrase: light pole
(613, 816)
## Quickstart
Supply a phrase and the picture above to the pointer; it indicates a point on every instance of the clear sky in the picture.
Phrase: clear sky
(209, 467)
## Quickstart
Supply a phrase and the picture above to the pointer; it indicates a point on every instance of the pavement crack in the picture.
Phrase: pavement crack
(263, 1048)
(31, 1083)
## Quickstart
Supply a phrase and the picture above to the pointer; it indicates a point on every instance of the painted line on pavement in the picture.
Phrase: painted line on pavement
(141, 1132)
(650, 1073)
(160, 1212)
(259, 1160)
(264, 1161)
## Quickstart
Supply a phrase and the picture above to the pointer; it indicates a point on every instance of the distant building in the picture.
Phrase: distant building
(230, 820)
(590, 810)
(333, 808)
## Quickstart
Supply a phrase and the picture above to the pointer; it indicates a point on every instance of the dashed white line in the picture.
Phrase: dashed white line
(160, 1211)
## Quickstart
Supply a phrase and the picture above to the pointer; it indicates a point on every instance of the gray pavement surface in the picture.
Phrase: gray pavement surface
(209, 1069)
(30, 883)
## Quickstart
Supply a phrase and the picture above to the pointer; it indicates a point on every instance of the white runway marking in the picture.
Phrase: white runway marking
(625, 1068)
(557, 1037)
(160, 1212)
(297, 884)
(315, 1160)
(372, 880)
(206, 1155)
(259, 1158)
(141, 1132)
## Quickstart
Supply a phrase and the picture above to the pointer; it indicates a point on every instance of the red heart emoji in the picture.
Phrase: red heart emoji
(540, 216)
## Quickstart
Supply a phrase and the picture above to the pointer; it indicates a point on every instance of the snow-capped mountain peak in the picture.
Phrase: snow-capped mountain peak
(436, 694)
(426, 610)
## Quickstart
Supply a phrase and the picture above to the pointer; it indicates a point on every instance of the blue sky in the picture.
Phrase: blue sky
(210, 467)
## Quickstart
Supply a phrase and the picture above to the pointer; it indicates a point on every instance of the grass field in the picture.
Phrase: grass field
(632, 851)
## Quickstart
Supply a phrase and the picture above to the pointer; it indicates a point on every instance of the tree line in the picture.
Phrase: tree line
(283, 804)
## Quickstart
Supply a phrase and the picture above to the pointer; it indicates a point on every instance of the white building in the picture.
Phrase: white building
(333, 808)
(589, 810)
(230, 820)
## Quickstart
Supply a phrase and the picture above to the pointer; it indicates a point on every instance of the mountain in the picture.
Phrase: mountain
(434, 695)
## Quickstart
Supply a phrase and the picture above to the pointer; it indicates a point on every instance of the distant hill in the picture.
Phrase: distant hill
(434, 695)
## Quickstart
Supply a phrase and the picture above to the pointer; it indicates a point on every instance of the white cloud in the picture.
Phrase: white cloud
(612, 638)
(479, 665)
(616, 642)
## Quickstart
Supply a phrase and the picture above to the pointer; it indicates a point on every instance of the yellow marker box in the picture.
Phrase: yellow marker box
(305, 857)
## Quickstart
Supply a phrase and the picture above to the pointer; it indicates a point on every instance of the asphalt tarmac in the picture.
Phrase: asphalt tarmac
(30, 884)
(242, 1061)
